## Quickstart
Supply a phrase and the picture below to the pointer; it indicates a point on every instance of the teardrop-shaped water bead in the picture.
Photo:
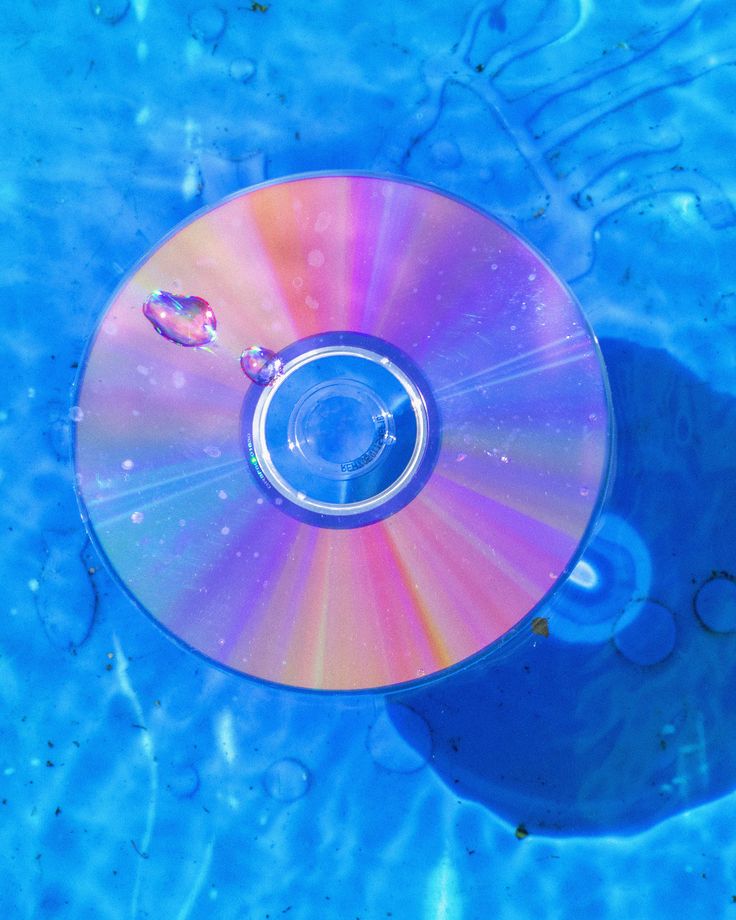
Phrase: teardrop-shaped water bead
(188, 321)
(261, 365)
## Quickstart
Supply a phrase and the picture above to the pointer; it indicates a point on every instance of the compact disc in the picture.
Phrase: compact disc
(420, 475)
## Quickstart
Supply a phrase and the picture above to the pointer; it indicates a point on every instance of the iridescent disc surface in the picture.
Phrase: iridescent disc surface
(523, 433)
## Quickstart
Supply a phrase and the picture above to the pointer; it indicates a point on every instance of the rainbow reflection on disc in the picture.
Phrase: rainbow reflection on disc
(418, 479)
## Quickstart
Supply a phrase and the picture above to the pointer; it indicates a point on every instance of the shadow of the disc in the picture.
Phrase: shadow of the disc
(624, 714)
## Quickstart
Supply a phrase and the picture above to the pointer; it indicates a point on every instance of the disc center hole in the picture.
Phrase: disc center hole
(339, 428)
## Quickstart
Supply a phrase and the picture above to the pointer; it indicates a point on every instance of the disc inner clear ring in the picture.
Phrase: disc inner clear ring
(299, 497)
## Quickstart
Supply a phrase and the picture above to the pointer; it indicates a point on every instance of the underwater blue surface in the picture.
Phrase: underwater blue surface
(588, 772)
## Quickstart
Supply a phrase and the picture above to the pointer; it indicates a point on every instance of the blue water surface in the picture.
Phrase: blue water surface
(584, 773)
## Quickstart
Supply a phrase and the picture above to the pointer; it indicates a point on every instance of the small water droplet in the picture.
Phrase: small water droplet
(504, 459)
(212, 451)
(261, 365)
(445, 154)
(208, 23)
(286, 780)
(187, 321)
(225, 531)
(493, 266)
(76, 414)
(584, 490)
(316, 258)
(137, 517)
(243, 70)
(645, 633)
(311, 302)
(109, 11)
(222, 494)
(715, 603)
(127, 464)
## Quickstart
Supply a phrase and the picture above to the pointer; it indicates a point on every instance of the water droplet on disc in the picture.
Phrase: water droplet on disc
(187, 321)
(261, 365)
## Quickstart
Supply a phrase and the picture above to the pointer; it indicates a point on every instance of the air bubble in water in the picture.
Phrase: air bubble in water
(109, 11)
(208, 23)
(187, 321)
(243, 70)
(286, 780)
(261, 365)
